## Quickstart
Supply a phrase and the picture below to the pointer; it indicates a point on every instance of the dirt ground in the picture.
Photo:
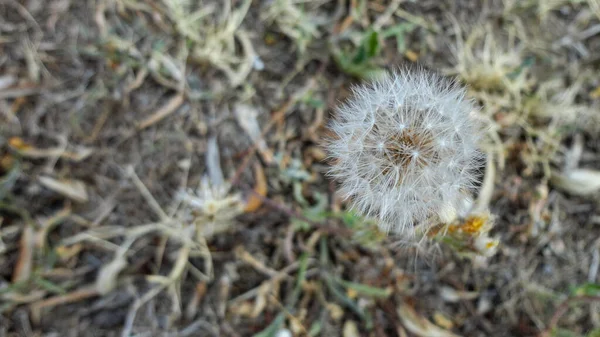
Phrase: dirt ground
(162, 170)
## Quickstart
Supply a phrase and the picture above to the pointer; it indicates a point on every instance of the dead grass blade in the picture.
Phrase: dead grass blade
(171, 106)
(21, 91)
(24, 264)
(75, 296)
(70, 188)
(260, 190)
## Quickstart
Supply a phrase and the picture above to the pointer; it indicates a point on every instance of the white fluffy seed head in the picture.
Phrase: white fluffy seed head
(404, 148)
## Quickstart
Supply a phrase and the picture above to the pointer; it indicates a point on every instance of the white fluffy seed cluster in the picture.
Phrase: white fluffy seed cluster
(405, 149)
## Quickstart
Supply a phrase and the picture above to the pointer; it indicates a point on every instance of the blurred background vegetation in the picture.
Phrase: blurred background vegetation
(162, 169)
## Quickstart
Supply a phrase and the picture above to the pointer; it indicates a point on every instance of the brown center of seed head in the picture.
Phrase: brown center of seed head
(412, 147)
(408, 148)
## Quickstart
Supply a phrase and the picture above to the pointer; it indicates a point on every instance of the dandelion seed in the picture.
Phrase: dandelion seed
(405, 149)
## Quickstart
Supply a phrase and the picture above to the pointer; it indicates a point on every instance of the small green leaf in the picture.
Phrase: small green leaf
(527, 63)
(368, 48)
(372, 46)
(350, 219)
(358, 66)
(587, 289)
(301, 278)
(359, 58)
(399, 31)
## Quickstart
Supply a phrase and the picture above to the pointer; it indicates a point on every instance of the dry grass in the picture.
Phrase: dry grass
(161, 170)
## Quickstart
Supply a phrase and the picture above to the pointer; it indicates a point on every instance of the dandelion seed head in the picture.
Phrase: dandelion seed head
(405, 148)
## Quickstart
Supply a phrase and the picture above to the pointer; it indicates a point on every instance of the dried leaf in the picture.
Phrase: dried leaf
(242, 309)
(29, 151)
(411, 55)
(580, 182)
(65, 253)
(260, 190)
(419, 325)
(443, 321)
(72, 189)
(316, 153)
(18, 143)
(452, 295)
(350, 329)
(7, 161)
(25, 261)
(336, 312)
